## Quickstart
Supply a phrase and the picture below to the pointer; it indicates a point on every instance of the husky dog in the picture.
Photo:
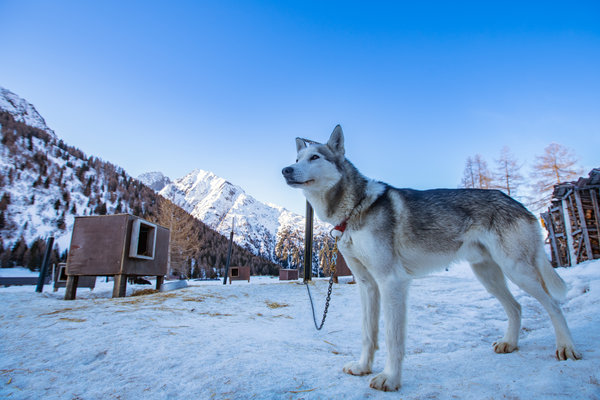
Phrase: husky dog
(389, 236)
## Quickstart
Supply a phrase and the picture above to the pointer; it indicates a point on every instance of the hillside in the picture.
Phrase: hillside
(45, 183)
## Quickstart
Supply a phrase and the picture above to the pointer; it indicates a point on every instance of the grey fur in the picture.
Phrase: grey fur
(394, 235)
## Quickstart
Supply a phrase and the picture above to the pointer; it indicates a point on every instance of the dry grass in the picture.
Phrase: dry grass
(144, 292)
(62, 310)
(73, 319)
(198, 299)
(216, 314)
(149, 296)
(273, 304)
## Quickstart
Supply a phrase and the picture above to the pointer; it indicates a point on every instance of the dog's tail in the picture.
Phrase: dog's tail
(554, 285)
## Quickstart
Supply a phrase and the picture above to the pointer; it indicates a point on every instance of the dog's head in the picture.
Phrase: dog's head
(318, 166)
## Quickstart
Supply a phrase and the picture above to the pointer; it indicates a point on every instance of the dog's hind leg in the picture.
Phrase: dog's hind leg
(492, 278)
(528, 279)
(369, 296)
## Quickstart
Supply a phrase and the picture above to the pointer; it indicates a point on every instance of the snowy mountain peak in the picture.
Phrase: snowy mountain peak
(154, 180)
(216, 201)
(22, 110)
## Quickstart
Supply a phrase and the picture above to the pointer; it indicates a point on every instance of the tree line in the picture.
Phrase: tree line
(557, 164)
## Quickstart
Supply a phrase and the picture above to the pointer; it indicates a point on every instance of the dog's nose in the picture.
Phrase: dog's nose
(287, 171)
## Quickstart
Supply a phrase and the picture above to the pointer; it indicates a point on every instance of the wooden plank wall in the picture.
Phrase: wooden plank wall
(580, 203)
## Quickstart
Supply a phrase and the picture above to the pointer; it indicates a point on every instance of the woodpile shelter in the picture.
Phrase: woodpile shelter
(121, 246)
(573, 221)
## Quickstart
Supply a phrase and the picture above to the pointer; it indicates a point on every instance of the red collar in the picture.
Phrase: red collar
(342, 226)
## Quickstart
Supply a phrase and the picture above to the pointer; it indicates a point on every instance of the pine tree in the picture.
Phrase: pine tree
(60, 222)
(18, 251)
(101, 209)
(5, 201)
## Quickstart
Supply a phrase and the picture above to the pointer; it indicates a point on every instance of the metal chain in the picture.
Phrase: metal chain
(331, 268)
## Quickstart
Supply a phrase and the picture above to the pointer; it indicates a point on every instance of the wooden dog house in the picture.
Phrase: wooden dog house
(288, 274)
(60, 278)
(239, 274)
(341, 269)
(118, 245)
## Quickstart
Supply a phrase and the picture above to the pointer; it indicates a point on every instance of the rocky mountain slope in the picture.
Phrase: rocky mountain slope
(154, 180)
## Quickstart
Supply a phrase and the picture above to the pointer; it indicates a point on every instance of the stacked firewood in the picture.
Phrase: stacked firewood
(573, 221)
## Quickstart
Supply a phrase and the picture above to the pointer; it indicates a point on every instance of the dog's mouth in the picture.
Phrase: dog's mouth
(294, 183)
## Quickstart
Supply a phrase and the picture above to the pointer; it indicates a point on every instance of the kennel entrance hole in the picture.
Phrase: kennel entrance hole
(143, 240)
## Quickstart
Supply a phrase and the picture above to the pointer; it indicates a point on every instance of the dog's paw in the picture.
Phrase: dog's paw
(356, 368)
(504, 347)
(565, 352)
(385, 382)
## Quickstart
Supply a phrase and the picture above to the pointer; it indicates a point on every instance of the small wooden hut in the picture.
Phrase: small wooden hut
(120, 245)
(573, 221)
(341, 269)
(240, 273)
(287, 274)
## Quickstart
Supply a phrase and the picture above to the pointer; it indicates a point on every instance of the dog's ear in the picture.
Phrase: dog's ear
(336, 141)
(300, 144)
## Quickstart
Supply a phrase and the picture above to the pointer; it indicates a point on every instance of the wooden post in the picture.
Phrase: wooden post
(44, 270)
(71, 290)
(229, 253)
(120, 287)
(568, 234)
(159, 282)
(547, 217)
(596, 214)
(583, 225)
(308, 242)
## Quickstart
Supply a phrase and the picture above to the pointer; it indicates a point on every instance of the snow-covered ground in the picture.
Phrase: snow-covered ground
(257, 341)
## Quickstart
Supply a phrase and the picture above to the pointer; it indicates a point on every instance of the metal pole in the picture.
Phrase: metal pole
(45, 262)
(229, 253)
(308, 243)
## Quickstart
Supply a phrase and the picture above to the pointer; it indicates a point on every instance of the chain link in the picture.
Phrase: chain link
(331, 267)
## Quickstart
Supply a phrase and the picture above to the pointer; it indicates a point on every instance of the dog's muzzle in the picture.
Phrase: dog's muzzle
(288, 174)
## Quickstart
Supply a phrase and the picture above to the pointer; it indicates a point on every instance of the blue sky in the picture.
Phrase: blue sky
(226, 86)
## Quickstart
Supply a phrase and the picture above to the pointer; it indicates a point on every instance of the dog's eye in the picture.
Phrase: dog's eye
(315, 157)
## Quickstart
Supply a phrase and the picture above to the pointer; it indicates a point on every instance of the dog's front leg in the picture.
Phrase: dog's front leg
(369, 296)
(393, 300)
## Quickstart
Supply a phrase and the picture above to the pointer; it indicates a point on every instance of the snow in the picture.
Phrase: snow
(154, 180)
(22, 110)
(257, 340)
(18, 272)
(32, 221)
